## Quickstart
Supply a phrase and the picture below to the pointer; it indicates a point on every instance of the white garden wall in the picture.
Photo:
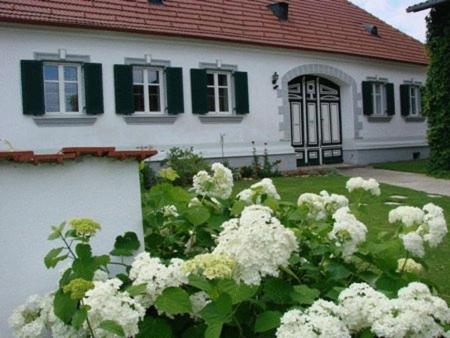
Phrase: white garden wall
(261, 125)
(32, 198)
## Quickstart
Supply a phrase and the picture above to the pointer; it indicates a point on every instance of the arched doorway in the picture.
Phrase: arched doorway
(315, 109)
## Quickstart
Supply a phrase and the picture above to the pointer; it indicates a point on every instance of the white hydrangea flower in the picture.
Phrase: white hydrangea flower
(371, 185)
(106, 302)
(156, 275)
(28, 319)
(360, 305)
(347, 232)
(320, 320)
(170, 211)
(198, 301)
(323, 205)
(100, 276)
(258, 243)
(407, 215)
(435, 226)
(409, 265)
(220, 185)
(413, 243)
(415, 313)
(254, 194)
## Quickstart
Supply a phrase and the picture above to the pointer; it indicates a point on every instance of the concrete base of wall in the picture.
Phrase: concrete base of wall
(367, 156)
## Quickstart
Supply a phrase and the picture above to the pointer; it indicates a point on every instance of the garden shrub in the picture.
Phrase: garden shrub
(250, 265)
(186, 163)
(437, 91)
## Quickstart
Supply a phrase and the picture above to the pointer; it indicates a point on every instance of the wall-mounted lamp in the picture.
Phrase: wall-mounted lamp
(275, 78)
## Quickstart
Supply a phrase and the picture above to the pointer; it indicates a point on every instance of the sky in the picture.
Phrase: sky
(394, 13)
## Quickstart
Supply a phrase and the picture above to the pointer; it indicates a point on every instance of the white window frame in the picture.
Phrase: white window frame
(383, 99)
(61, 87)
(146, 85)
(216, 87)
(418, 101)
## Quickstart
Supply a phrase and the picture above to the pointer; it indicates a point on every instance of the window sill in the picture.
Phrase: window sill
(150, 119)
(49, 120)
(415, 119)
(380, 118)
(221, 118)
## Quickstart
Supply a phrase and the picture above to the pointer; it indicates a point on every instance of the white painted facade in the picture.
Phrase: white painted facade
(33, 198)
(265, 123)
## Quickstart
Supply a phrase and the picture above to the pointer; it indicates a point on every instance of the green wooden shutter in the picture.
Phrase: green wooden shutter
(32, 87)
(174, 86)
(405, 99)
(199, 90)
(422, 101)
(123, 84)
(241, 92)
(367, 92)
(93, 88)
(390, 98)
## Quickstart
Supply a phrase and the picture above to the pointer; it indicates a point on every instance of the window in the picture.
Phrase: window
(415, 101)
(379, 99)
(62, 88)
(147, 90)
(219, 98)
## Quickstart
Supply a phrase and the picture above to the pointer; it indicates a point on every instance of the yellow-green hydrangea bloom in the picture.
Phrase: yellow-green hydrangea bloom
(77, 288)
(211, 266)
(85, 227)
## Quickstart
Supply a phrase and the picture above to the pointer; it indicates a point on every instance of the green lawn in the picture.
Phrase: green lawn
(377, 220)
(415, 166)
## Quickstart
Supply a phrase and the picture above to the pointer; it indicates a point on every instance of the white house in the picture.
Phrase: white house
(318, 81)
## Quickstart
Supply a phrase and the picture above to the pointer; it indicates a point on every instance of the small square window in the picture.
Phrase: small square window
(147, 90)
(219, 98)
(62, 88)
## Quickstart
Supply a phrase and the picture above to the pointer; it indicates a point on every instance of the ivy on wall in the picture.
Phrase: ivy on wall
(437, 91)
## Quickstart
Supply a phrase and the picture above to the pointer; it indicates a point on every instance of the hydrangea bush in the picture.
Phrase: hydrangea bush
(253, 265)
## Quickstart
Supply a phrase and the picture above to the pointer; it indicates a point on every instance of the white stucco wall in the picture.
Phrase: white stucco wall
(261, 125)
(32, 198)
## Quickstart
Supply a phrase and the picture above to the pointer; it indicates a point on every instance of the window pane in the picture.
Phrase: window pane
(153, 93)
(71, 94)
(223, 99)
(377, 89)
(210, 79)
(51, 93)
(138, 96)
(153, 76)
(223, 80)
(413, 105)
(51, 72)
(70, 73)
(138, 75)
(378, 105)
(211, 100)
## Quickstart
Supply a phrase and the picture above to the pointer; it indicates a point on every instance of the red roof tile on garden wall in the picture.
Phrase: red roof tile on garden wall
(323, 25)
(72, 153)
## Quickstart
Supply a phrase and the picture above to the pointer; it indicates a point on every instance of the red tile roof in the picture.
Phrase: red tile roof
(68, 154)
(321, 25)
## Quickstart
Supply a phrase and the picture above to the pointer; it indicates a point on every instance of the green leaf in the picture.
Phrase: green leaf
(390, 284)
(200, 283)
(83, 250)
(152, 327)
(366, 334)
(56, 231)
(198, 215)
(267, 321)
(174, 301)
(338, 271)
(277, 290)
(334, 293)
(64, 306)
(216, 314)
(113, 327)
(237, 208)
(194, 332)
(79, 317)
(136, 290)
(86, 265)
(238, 292)
(304, 295)
(126, 245)
(53, 258)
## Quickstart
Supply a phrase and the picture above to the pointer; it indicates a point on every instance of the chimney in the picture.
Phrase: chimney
(280, 9)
